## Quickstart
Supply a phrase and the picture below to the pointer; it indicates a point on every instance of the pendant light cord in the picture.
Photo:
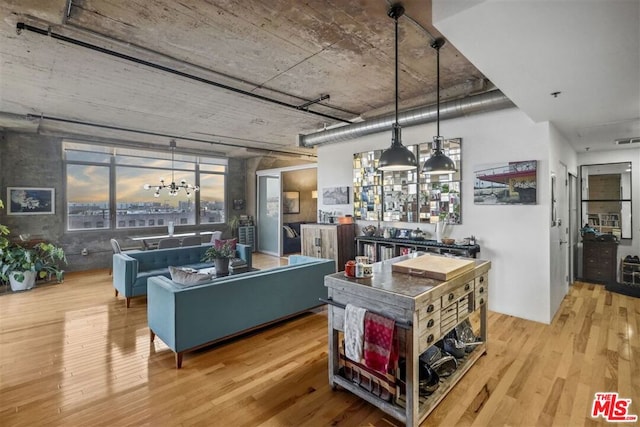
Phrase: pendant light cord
(438, 93)
(173, 151)
(437, 44)
(396, 19)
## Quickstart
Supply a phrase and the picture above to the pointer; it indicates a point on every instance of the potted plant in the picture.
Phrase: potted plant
(234, 223)
(4, 230)
(20, 265)
(220, 253)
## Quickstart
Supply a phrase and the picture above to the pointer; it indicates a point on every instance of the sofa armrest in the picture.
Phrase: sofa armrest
(244, 252)
(161, 313)
(125, 272)
(303, 259)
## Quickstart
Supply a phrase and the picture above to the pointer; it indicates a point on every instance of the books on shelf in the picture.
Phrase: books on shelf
(369, 250)
(386, 252)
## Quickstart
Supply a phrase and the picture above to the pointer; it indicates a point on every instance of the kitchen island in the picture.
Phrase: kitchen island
(424, 311)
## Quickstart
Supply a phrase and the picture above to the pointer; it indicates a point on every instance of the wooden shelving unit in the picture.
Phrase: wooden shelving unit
(376, 248)
(608, 223)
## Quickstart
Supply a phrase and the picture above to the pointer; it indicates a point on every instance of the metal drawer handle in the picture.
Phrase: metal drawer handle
(466, 287)
(430, 308)
(481, 290)
(481, 279)
(481, 301)
(430, 338)
(430, 323)
(451, 296)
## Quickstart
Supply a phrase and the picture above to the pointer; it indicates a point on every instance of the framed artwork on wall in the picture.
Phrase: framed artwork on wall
(511, 183)
(335, 196)
(30, 201)
(291, 202)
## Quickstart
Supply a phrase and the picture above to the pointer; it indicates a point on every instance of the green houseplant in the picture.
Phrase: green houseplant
(220, 253)
(234, 223)
(20, 265)
(4, 230)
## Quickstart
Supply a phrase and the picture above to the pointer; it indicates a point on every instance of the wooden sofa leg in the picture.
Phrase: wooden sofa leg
(116, 292)
(128, 302)
(179, 359)
(153, 335)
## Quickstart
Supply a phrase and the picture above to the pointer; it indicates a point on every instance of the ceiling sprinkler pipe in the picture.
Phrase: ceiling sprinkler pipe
(482, 103)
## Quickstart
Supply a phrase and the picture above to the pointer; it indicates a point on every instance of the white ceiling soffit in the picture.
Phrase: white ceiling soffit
(589, 51)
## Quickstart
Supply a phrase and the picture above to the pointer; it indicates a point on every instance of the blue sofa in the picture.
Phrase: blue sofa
(188, 317)
(131, 269)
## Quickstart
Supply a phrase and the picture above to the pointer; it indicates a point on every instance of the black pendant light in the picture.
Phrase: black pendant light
(398, 157)
(438, 163)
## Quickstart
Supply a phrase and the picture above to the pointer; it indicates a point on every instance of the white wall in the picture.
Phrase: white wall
(514, 238)
(626, 246)
(560, 152)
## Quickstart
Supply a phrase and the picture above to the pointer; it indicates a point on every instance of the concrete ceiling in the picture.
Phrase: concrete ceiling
(294, 52)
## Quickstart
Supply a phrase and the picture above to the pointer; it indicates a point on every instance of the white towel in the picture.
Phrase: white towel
(354, 332)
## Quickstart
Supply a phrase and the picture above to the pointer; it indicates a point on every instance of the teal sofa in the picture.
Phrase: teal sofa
(188, 317)
(131, 269)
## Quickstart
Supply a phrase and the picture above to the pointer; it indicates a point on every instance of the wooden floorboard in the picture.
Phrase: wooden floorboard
(71, 354)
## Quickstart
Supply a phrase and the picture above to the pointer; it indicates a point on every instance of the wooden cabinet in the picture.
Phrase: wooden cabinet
(331, 241)
(424, 311)
(599, 261)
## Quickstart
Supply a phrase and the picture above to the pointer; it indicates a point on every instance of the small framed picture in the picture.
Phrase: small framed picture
(30, 201)
(291, 202)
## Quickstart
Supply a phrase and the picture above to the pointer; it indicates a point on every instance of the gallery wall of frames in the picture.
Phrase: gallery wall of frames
(408, 196)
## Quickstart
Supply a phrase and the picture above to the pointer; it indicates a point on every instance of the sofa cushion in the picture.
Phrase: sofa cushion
(141, 278)
(291, 233)
(184, 277)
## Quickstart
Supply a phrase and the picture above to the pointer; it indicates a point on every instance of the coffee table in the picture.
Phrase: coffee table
(211, 271)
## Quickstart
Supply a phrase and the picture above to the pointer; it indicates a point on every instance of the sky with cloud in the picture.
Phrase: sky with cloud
(88, 183)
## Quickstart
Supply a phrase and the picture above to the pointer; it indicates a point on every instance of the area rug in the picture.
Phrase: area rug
(624, 289)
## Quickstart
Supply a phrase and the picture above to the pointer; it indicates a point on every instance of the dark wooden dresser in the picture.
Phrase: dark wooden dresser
(599, 261)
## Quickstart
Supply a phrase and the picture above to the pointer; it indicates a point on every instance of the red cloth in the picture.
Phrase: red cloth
(378, 342)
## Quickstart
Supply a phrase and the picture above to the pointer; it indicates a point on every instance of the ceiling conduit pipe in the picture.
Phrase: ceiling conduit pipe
(482, 103)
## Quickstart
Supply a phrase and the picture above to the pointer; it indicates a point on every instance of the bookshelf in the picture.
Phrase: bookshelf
(608, 223)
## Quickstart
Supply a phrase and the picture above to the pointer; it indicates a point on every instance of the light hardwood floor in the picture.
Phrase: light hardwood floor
(72, 354)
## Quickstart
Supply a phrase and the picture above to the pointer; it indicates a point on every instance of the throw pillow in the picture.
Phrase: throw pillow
(219, 242)
(183, 277)
(291, 233)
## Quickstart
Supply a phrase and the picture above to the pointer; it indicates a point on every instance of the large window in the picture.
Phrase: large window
(102, 180)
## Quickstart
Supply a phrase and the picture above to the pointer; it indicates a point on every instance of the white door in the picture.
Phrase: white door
(559, 237)
(269, 215)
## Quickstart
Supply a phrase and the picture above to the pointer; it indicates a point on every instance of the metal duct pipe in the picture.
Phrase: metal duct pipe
(485, 102)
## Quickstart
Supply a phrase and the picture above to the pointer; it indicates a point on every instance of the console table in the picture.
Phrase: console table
(424, 310)
(372, 246)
